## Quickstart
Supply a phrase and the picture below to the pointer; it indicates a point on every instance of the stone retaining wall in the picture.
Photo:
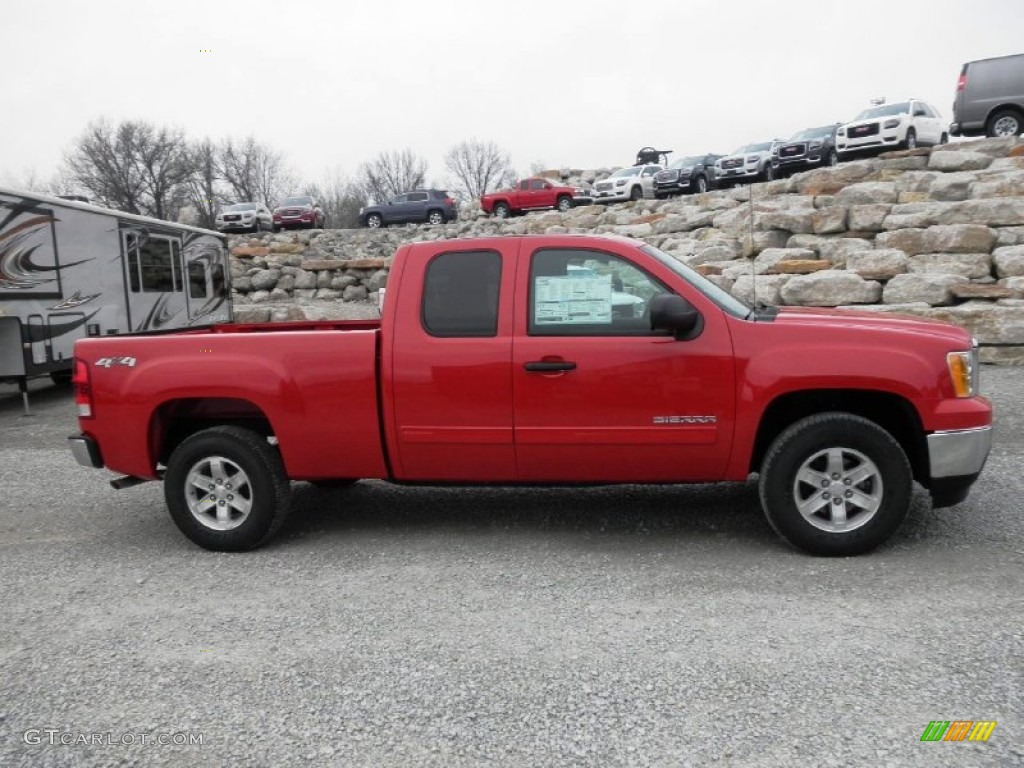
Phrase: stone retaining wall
(930, 232)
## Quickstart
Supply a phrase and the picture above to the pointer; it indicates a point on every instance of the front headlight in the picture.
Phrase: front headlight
(891, 123)
(751, 159)
(963, 371)
(816, 144)
(620, 183)
(841, 132)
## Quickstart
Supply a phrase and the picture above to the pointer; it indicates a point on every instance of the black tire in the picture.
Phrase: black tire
(336, 482)
(564, 204)
(911, 141)
(257, 227)
(700, 185)
(636, 193)
(832, 158)
(263, 485)
(61, 378)
(502, 211)
(944, 138)
(435, 217)
(374, 221)
(768, 174)
(275, 228)
(800, 449)
(1005, 122)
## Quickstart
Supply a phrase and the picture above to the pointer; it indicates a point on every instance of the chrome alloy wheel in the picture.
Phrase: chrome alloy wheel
(218, 493)
(838, 490)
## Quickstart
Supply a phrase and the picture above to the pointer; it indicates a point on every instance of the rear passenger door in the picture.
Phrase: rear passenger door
(416, 210)
(447, 375)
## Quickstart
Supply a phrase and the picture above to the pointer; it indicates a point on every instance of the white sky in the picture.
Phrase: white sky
(331, 83)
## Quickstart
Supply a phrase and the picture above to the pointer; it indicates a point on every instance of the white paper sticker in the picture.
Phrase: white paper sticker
(583, 300)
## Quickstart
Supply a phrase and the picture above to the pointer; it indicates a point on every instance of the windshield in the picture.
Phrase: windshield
(886, 110)
(721, 297)
(297, 201)
(814, 133)
(626, 172)
(762, 147)
(241, 207)
(687, 162)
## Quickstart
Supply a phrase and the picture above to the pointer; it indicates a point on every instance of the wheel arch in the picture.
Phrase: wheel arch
(173, 421)
(892, 412)
(1015, 108)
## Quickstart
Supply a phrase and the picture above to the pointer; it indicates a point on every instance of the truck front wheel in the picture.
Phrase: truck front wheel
(501, 210)
(226, 489)
(835, 484)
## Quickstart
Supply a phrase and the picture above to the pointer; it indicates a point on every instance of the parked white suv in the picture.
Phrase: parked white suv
(900, 125)
(627, 184)
(752, 162)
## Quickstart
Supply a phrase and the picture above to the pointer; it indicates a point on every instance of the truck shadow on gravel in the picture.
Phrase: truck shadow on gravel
(692, 513)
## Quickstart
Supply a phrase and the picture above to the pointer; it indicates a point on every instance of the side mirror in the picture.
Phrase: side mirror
(547, 186)
(674, 313)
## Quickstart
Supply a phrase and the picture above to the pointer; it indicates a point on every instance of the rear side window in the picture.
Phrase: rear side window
(417, 197)
(460, 294)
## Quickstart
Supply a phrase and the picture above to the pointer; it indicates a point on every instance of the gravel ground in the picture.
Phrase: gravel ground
(447, 627)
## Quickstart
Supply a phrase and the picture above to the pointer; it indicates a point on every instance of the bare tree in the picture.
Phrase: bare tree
(390, 174)
(478, 167)
(255, 172)
(203, 185)
(135, 166)
(340, 197)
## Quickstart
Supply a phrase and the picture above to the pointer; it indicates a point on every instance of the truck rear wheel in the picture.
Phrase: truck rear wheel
(835, 484)
(226, 489)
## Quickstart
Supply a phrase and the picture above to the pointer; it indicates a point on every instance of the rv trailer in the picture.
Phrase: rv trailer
(69, 269)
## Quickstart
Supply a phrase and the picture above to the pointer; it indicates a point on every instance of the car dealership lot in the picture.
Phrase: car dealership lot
(597, 626)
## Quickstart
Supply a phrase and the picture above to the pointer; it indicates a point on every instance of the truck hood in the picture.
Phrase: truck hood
(954, 336)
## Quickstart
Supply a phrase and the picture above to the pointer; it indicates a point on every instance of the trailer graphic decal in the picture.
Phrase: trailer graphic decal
(158, 316)
(74, 300)
(20, 241)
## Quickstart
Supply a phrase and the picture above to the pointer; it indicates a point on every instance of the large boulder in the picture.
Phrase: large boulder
(958, 161)
(932, 289)
(878, 264)
(1009, 260)
(967, 264)
(830, 289)
(868, 193)
(265, 279)
(765, 288)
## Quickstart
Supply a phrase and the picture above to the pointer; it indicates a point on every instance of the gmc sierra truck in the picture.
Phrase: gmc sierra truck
(560, 359)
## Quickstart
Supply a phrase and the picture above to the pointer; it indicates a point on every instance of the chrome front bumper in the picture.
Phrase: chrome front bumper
(959, 452)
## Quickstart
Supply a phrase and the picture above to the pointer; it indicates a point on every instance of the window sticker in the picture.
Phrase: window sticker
(573, 299)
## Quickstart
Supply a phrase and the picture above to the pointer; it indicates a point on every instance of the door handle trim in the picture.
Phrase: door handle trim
(549, 366)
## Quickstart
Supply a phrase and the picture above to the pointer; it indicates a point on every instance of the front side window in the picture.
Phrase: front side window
(460, 294)
(524, 185)
(582, 292)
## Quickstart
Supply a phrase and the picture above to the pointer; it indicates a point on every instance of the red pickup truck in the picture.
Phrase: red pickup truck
(528, 195)
(545, 360)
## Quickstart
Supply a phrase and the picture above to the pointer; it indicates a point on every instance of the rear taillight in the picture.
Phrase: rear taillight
(82, 382)
(961, 83)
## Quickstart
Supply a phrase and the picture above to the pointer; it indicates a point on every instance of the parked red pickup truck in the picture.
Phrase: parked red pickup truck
(549, 359)
(528, 195)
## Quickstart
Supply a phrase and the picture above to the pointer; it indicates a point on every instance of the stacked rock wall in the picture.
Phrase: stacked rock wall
(931, 232)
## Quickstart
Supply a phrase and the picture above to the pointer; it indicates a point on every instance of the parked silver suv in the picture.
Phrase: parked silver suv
(751, 162)
(631, 183)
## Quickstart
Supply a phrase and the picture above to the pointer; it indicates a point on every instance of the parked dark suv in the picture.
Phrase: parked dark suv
(688, 175)
(433, 206)
(805, 149)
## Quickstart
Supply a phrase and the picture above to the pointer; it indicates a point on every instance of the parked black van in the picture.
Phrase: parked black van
(990, 98)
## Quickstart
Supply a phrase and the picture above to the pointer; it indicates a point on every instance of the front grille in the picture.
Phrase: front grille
(735, 162)
(665, 176)
(604, 186)
(792, 150)
(232, 217)
(293, 211)
(857, 131)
